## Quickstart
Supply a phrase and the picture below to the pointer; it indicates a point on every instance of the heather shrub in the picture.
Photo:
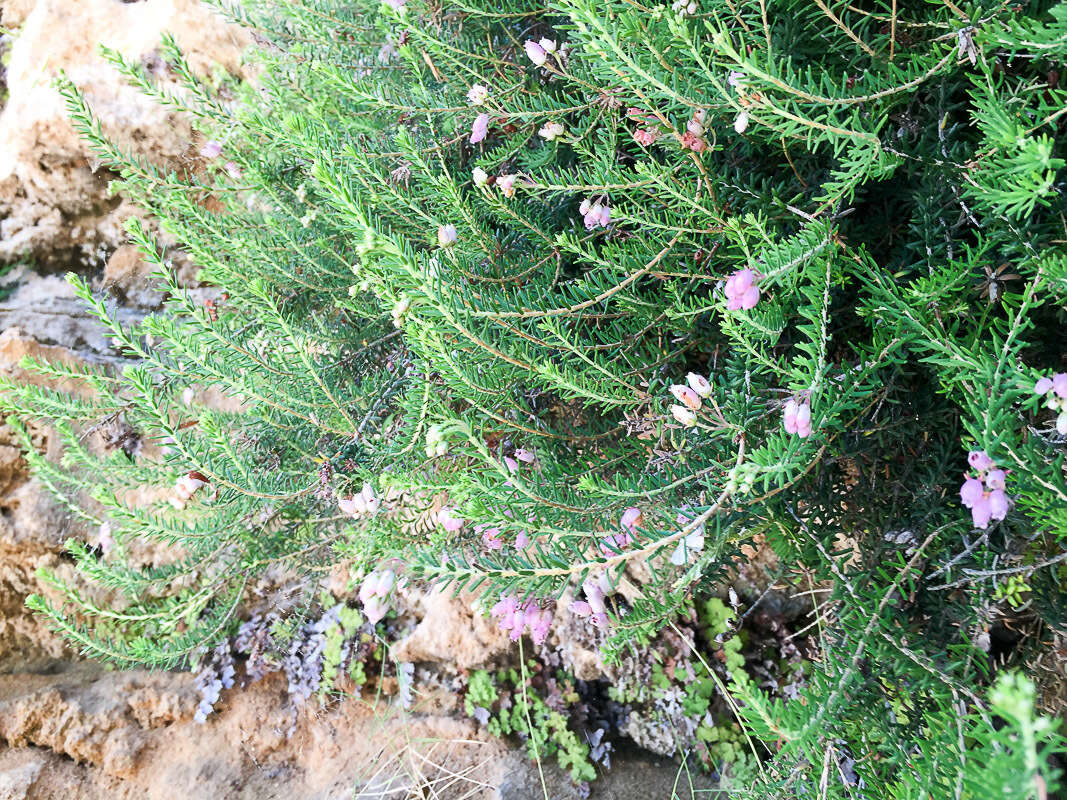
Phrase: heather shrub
(574, 305)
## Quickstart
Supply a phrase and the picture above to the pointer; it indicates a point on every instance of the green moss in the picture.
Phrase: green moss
(546, 731)
(348, 622)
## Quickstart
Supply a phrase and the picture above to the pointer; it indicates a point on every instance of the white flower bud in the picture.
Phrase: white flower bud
(447, 235)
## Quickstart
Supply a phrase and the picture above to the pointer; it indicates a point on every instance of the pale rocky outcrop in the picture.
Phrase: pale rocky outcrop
(453, 634)
(91, 734)
(54, 206)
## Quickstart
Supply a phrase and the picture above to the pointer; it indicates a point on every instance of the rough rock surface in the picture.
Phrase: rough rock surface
(91, 734)
(451, 632)
(131, 735)
(54, 206)
(32, 528)
(45, 310)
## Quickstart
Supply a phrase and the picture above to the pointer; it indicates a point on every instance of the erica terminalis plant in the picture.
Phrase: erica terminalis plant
(575, 305)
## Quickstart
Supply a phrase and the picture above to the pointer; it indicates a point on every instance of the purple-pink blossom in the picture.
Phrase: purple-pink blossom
(211, 149)
(479, 128)
(985, 493)
(595, 213)
(981, 512)
(1054, 390)
(525, 456)
(998, 504)
(741, 290)
(375, 592)
(594, 605)
(990, 506)
(996, 479)
(448, 520)
(535, 52)
(631, 519)
(797, 418)
(1059, 385)
(971, 492)
(514, 618)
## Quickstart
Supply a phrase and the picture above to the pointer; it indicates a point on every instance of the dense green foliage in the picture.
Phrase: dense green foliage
(893, 176)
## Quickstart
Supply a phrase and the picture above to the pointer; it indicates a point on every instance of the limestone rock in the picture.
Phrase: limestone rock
(132, 735)
(128, 275)
(54, 204)
(453, 634)
(16, 779)
(45, 311)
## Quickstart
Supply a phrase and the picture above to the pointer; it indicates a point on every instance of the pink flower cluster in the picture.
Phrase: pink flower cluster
(595, 213)
(594, 605)
(447, 519)
(797, 417)
(375, 593)
(741, 290)
(1054, 390)
(689, 397)
(538, 52)
(693, 138)
(356, 505)
(646, 136)
(514, 617)
(652, 129)
(631, 520)
(985, 494)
